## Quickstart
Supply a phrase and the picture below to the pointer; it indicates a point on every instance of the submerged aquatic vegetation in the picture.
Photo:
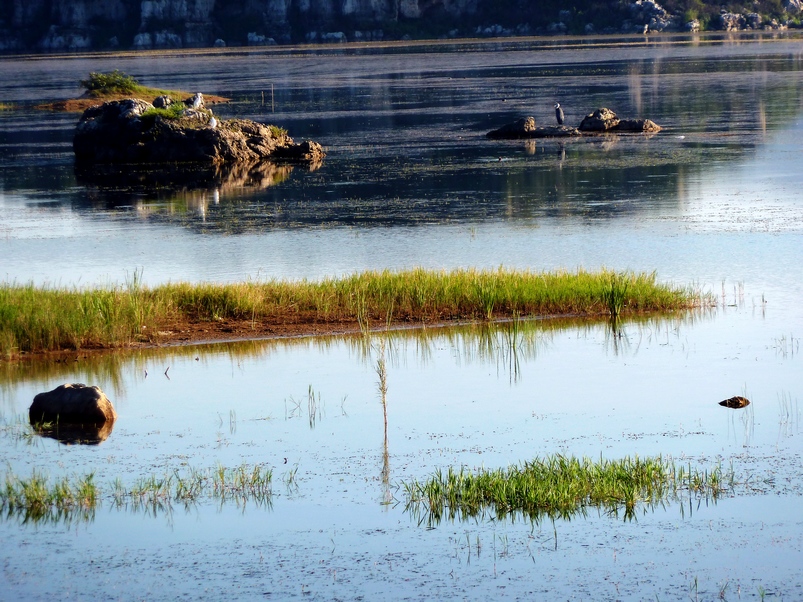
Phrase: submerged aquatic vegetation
(69, 500)
(557, 486)
(36, 319)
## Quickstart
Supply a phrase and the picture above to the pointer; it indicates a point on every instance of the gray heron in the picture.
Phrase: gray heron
(559, 113)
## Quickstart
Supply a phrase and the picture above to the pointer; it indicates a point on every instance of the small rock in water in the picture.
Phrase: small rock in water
(735, 402)
(73, 414)
(72, 404)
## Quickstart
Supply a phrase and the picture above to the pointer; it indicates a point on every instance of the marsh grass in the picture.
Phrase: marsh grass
(117, 83)
(158, 493)
(557, 486)
(67, 500)
(37, 500)
(172, 112)
(36, 319)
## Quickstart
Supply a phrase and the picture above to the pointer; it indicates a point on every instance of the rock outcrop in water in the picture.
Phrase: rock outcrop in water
(600, 121)
(73, 413)
(73, 403)
(132, 131)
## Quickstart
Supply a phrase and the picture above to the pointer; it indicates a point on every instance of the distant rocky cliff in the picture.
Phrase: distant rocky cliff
(73, 25)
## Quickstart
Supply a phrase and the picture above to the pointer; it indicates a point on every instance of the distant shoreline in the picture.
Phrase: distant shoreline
(597, 40)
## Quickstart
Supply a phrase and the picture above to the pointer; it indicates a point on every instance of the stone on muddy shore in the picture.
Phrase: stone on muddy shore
(72, 404)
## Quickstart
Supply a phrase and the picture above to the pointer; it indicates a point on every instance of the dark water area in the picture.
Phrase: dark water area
(714, 202)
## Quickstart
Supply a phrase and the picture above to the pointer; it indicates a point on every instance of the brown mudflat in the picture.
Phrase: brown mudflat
(79, 105)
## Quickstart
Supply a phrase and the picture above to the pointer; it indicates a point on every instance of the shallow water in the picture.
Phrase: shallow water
(455, 397)
(410, 180)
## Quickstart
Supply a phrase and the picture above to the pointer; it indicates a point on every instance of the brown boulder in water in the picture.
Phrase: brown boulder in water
(637, 125)
(601, 120)
(735, 402)
(72, 404)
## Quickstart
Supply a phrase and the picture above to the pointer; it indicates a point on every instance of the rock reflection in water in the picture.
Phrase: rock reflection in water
(190, 184)
(75, 434)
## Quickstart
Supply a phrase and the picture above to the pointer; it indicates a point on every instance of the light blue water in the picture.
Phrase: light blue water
(410, 180)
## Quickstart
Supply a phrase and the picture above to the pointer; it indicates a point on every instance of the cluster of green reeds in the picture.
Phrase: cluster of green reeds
(557, 486)
(42, 318)
(241, 484)
(38, 500)
(47, 318)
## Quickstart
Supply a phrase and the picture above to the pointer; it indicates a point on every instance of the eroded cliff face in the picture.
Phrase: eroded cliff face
(69, 25)
(53, 25)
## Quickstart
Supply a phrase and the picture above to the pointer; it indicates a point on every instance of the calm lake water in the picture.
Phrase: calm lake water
(714, 201)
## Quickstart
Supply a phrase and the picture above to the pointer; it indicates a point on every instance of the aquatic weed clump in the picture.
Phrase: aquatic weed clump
(68, 500)
(556, 486)
(36, 500)
(240, 485)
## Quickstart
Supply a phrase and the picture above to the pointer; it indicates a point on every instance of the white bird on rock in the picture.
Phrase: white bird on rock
(212, 122)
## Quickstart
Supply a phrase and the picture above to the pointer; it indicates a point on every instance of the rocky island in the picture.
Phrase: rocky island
(601, 121)
(164, 131)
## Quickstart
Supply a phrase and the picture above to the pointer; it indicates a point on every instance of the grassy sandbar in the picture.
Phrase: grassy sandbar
(40, 319)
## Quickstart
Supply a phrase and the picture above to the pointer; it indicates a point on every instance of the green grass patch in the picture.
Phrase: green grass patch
(116, 83)
(174, 111)
(37, 500)
(556, 486)
(37, 319)
(66, 500)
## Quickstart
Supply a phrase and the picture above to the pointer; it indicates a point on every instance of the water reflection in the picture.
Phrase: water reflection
(504, 344)
(405, 138)
(177, 190)
(70, 500)
(75, 434)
